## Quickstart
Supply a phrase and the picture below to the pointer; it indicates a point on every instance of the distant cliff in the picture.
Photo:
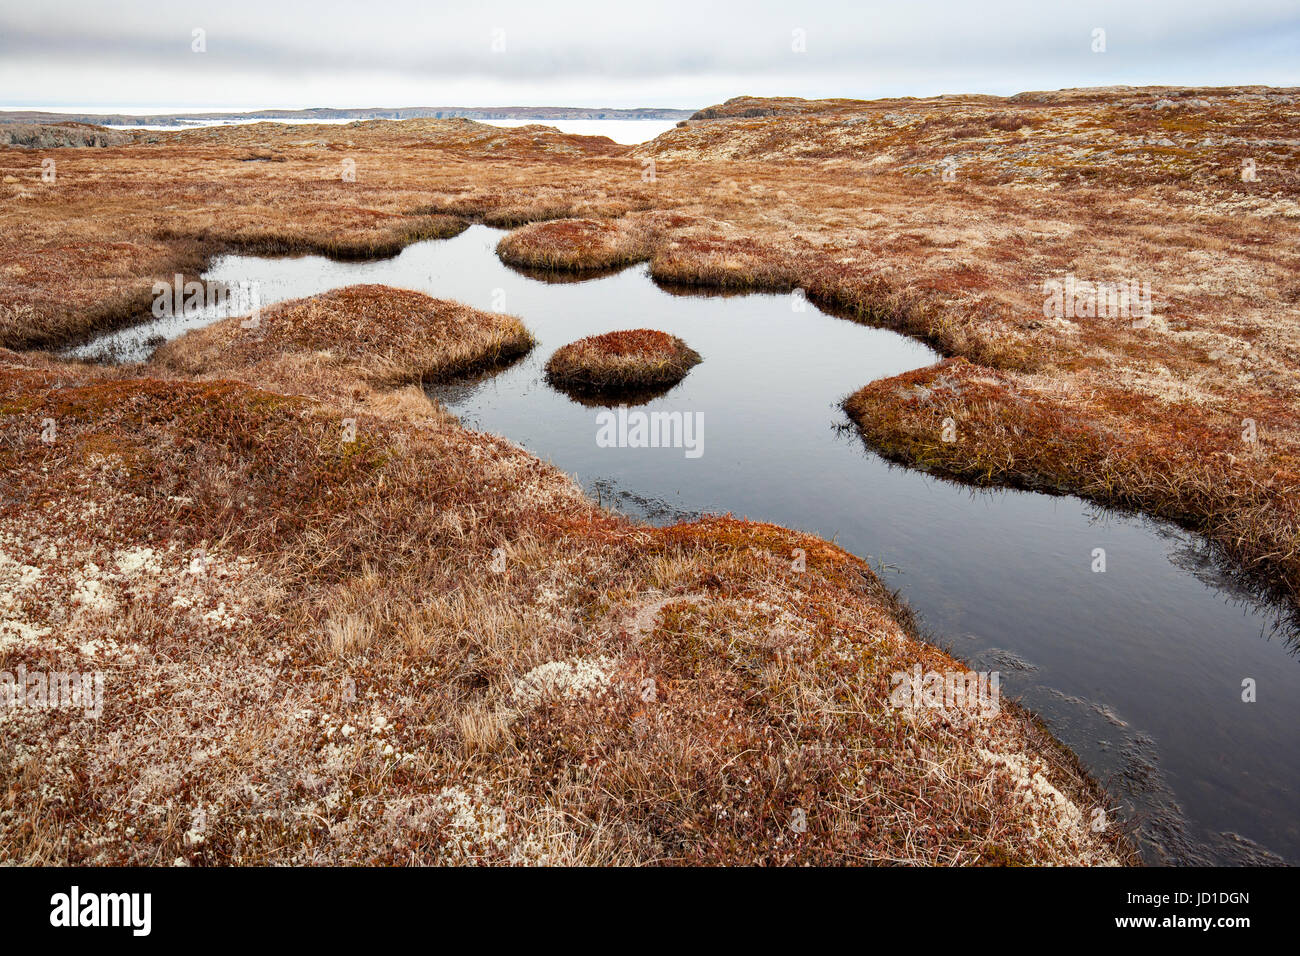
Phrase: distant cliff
(45, 136)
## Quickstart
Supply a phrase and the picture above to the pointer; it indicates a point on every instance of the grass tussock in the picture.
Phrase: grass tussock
(573, 245)
(618, 363)
(380, 335)
(736, 264)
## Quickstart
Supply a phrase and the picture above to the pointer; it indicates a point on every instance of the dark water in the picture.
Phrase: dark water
(1138, 669)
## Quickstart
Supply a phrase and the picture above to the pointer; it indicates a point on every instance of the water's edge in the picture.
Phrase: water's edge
(1137, 670)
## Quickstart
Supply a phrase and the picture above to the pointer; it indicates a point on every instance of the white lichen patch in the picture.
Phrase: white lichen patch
(91, 593)
(572, 680)
(135, 562)
(81, 599)
(1051, 814)
(464, 825)
(15, 634)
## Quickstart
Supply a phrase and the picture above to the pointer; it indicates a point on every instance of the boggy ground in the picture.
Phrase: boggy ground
(337, 627)
(939, 217)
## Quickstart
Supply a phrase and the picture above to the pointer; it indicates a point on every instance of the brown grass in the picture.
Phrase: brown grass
(425, 646)
(639, 360)
(572, 245)
(840, 198)
(380, 335)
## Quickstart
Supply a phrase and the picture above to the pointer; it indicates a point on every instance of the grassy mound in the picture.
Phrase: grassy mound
(381, 335)
(575, 245)
(1005, 433)
(619, 363)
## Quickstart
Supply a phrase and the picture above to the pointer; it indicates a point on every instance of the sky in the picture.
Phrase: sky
(619, 53)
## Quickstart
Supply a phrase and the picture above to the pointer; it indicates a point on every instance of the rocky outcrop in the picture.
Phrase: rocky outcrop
(47, 136)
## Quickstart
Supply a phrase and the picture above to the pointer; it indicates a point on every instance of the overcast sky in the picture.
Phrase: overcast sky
(683, 53)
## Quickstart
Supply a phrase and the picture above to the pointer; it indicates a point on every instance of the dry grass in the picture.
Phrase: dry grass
(380, 335)
(573, 245)
(843, 199)
(618, 363)
(423, 645)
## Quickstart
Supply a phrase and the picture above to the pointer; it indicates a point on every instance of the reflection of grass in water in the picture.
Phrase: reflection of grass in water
(1003, 433)
(1258, 592)
(1212, 566)
(630, 397)
(648, 508)
(564, 276)
(689, 290)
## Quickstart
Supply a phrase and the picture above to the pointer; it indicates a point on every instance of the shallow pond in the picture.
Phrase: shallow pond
(1138, 669)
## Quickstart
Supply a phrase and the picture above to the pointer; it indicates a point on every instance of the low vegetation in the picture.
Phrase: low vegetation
(337, 627)
(380, 335)
(639, 361)
(350, 678)
(573, 245)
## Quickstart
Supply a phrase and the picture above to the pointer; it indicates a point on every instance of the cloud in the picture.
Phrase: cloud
(406, 52)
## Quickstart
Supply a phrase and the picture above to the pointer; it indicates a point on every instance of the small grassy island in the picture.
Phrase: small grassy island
(572, 245)
(635, 363)
(383, 336)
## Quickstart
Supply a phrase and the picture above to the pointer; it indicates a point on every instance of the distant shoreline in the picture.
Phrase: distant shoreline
(540, 113)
